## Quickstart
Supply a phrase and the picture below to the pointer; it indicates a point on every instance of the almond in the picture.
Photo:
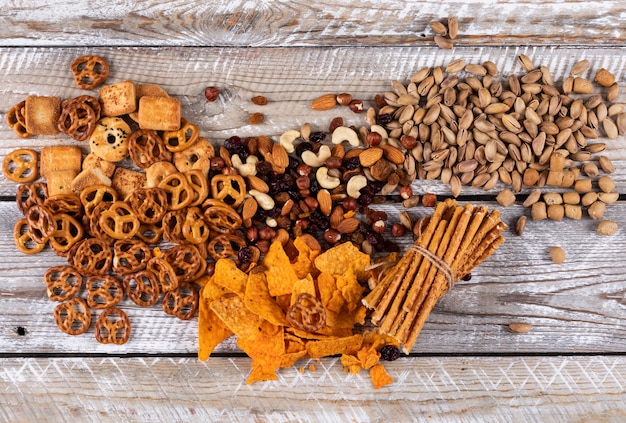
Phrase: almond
(254, 182)
(324, 102)
(336, 217)
(349, 225)
(370, 156)
(325, 202)
(393, 154)
(250, 207)
(279, 156)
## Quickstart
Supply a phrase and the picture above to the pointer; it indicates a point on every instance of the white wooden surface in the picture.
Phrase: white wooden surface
(466, 365)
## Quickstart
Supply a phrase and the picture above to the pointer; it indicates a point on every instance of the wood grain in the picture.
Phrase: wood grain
(301, 23)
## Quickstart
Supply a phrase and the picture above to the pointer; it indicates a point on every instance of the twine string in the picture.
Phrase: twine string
(437, 262)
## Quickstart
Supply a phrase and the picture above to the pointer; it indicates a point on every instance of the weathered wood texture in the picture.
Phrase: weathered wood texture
(303, 23)
(506, 389)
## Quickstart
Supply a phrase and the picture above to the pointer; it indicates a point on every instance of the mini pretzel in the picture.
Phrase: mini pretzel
(150, 233)
(200, 185)
(89, 71)
(30, 194)
(69, 231)
(91, 101)
(16, 121)
(73, 316)
(179, 193)
(103, 291)
(24, 240)
(149, 204)
(230, 189)
(221, 217)
(165, 273)
(93, 226)
(96, 194)
(142, 288)
(119, 221)
(62, 282)
(78, 120)
(65, 203)
(112, 327)
(226, 246)
(181, 139)
(130, 256)
(41, 223)
(307, 313)
(195, 229)
(173, 223)
(185, 260)
(147, 148)
(181, 302)
(91, 256)
(21, 165)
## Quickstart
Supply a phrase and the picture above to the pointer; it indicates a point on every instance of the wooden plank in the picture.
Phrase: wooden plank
(301, 23)
(574, 307)
(447, 389)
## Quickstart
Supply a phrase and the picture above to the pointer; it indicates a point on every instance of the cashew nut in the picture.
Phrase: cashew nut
(286, 140)
(316, 160)
(325, 180)
(354, 185)
(343, 133)
(271, 222)
(379, 130)
(245, 169)
(265, 201)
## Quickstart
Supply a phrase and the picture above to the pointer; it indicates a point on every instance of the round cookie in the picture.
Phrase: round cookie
(109, 140)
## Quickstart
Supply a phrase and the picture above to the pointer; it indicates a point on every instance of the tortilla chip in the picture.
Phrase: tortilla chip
(379, 376)
(302, 286)
(232, 311)
(350, 288)
(228, 275)
(324, 348)
(280, 275)
(368, 357)
(327, 286)
(289, 359)
(259, 301)
(268, 341)
(211, 330)
(305, 261)
(342, 257)
(259, 373)
(351, 363)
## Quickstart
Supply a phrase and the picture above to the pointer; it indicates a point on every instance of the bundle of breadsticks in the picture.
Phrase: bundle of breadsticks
(452, 242)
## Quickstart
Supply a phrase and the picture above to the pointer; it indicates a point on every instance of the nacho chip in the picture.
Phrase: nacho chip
(351, 363)
(305, 261)
(232, 311)
(260, 373)
(379, 376)
(324, 348)
(327, 286)
(302, 286)
(289, 359)
(368, 357)
(350, 288)
(268, 341)
(228, 275)
(211, 330)
(280, 275)
(259, 301)
(342, 257)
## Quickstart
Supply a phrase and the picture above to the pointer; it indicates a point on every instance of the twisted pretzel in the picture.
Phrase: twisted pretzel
(65, 203)
(91, 101)
(186, 262)
(165, 273)
(130, 256)
(149, 204)
(30, 194)
(78, 120)
(221, 217)
(112, 327)
(226, 246)
(179, 193)
(96, 194)
(142, 288)
(91, 256)
(146, 148)
(16, 121)
(69, 231)
(181, 302)
(200, 185)
(62, 282)
(307, 313)
(195, 229)
(119, 221)
(150, 233)
(41, 223)
(182, 138)
(93, 223)
(24, 240)
(103, 291)
(173, 223)
(73, 316)
(89, 71)
(230, 189)
(21, 165)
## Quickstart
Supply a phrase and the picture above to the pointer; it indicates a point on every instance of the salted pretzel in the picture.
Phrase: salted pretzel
(68, 232)
(103, 291)
(65, 203)
(182, 302)
(146, 148)
(118, 221)
(186, 262)
(16, 120)
(78, 120)
(225, 246)
(166, 275)
(173, 223)
(149, 204)
(41, 223)
(142, 288)
(73, 316)
(112, 327)
(21, 165)
(91, 256)
(24, 240)
(62, 282)
(91, 196)
(89, 71)
(130, 256)
(195, 229)
(200, 185)
(230, 189)
(221, 217)
(179, 193)
(150, 233)
(30, 194)
(307, 313)
(182, 138)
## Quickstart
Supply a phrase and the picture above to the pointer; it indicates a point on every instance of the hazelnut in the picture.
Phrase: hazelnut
(379, 226)
(379, 215)
(332, 236)
(303, 182)
(344, 99)
(429, 200)
(356, 106)
(405, 192)
(397, 230)
(266, 233)
(333, 162)
(311, 202)
(211, 93)
(303, 169)
(408, 142)
(374, 139)
(217, 163)
(263, 245)
(350, 203)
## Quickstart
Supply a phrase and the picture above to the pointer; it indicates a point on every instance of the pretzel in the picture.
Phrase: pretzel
(150, 233)
(78, 120)
(181, 302)
(89, 100)
(69, 231)
(185, 260)
(41, 223)
(65, 203)
(230, 189)
(307, 313)
(226, 246)
(21, 165)
(142, 288)
(182, 138)
(30, 194)
(24, 240)
(89, 71)
(94, 195)
(73, 316)
(91, 256)
(165, 273)
(112, 327)
(200, 185)
(147, 148)
(93, 226)
(149, 204)
(16, 121)
(130, 256)
(173, 223)
(62, 282)
(103, 291)
(179, 193)
(221, 217)
(198, 156)
(195, 229)
(119, 221)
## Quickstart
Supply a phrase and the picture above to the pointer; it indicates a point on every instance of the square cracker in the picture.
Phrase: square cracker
(118, 99)
(60, 157)
(126, 181)
(41, 115)
(159, 113)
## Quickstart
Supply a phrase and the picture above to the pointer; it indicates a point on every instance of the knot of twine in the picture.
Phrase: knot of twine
(437, 262)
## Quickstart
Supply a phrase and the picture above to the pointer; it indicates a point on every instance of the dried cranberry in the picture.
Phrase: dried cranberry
(389, 353)
(391, 247)
(302, 147)
(263, 168)
(351, 163)
(293, 163)
(365, 200)
(245, 254)
(317, 136)
(235, 145)
(467, 277)
(384, 119)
